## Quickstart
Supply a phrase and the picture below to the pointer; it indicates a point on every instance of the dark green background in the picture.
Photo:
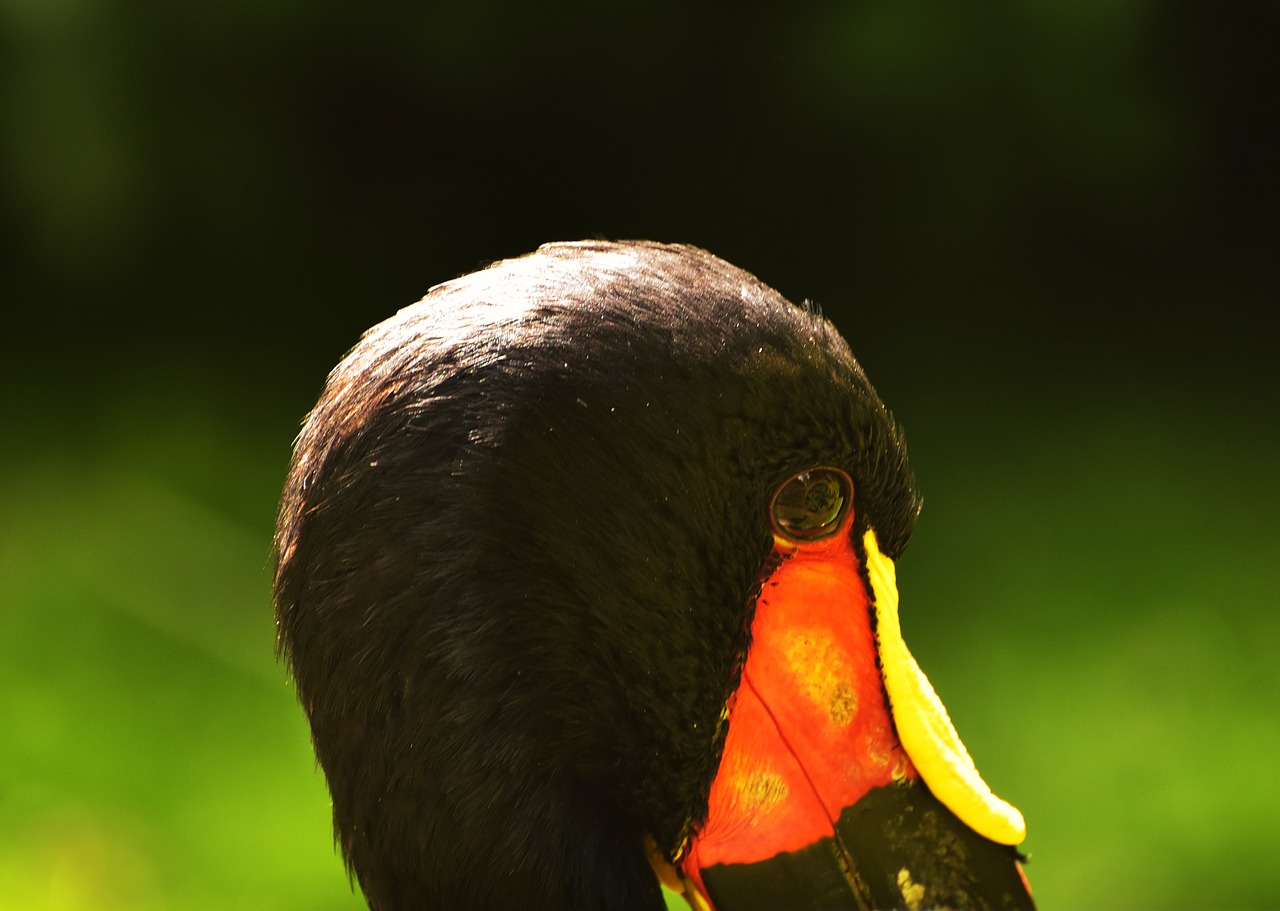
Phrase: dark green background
(1049, 230)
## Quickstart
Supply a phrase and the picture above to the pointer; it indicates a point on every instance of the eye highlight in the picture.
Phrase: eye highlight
(811, 504)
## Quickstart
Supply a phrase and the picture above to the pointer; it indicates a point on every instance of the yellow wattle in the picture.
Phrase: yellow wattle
(924, 727)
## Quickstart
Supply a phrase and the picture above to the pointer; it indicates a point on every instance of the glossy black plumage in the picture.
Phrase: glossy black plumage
(517, 554)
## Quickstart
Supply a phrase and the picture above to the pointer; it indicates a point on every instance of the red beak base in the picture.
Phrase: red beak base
(816, 803)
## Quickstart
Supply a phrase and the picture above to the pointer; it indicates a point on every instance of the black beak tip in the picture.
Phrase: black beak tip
(896, 848)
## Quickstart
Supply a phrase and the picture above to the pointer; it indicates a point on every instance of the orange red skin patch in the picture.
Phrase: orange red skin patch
(809, 730)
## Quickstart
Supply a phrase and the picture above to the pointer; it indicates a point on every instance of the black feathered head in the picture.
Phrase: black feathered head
(520, 551)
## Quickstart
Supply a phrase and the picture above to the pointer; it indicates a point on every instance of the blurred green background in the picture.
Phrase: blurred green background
(1049, 231)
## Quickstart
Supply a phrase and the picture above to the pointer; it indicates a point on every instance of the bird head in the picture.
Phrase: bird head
(585, 574)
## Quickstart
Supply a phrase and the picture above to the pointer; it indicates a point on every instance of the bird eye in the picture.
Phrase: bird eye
(811, 504)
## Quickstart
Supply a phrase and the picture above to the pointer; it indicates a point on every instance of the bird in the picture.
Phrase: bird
(585, 576)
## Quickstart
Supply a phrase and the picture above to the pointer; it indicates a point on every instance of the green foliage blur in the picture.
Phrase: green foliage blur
(1048, 231)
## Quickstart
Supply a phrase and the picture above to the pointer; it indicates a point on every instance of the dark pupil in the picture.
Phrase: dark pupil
(823, 498)
(809, 504)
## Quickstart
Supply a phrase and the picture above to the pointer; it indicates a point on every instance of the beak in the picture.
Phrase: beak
(843, 784)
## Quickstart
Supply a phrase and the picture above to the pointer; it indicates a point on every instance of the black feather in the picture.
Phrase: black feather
(517, 551)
